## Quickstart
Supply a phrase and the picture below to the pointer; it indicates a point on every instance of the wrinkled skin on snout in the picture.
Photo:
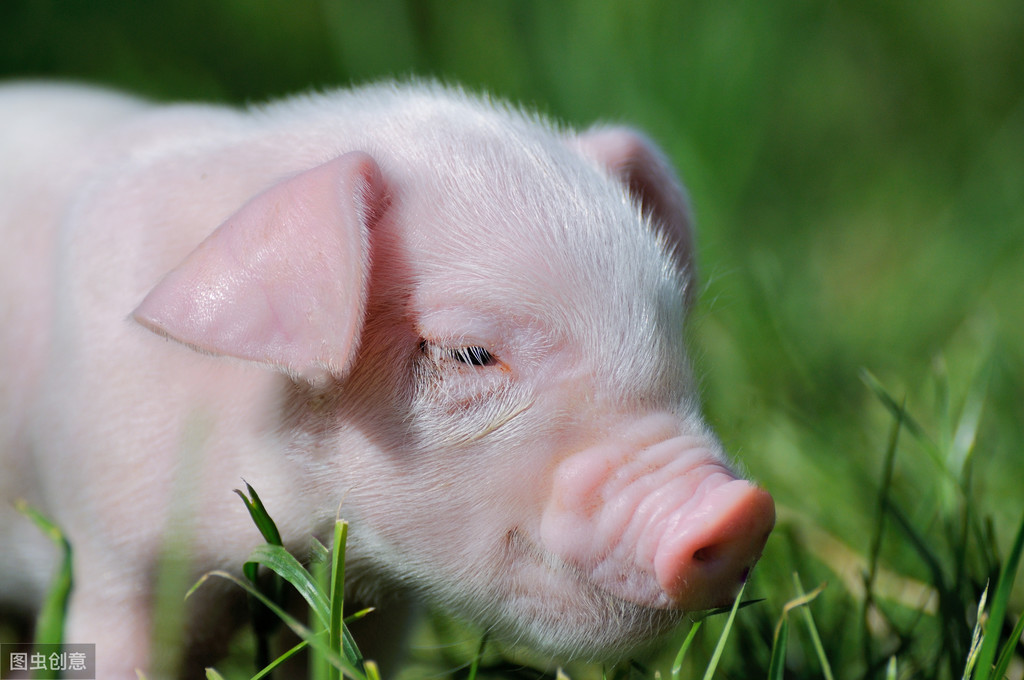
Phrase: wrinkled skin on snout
(460, 325)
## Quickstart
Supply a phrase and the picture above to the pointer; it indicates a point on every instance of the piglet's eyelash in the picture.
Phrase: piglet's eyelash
(470, 355)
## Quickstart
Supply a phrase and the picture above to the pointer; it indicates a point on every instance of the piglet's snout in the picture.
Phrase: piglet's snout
(663, 524)
(707, 552)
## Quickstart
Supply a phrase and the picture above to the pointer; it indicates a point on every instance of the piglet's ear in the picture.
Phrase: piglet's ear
(645, 171)
(283, 281)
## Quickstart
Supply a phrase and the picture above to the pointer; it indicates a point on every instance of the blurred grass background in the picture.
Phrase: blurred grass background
(857, 169)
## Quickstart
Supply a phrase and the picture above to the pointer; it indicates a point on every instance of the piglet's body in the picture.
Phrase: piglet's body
(457, 323)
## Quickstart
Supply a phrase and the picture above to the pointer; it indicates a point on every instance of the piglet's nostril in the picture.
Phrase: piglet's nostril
(707, 554)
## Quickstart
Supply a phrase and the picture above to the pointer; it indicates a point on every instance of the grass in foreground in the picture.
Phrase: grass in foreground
(989, 650)
(961, 628)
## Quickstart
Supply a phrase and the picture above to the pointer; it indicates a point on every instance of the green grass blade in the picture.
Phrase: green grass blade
(972, 653)
(826, 668)
(319, 570)
(350, 649)
(372, 672)
(262, 625)
(260, 516)
(890, 669)
(358, 615)
(269, 668)
(920, 544)
(211, 674)
(878, 532)
(338, 578)
(891, 404)
(50, 621)
(962, 444)
(314, 640)
(475, 666)
(341, 638)
(318, 552)
(1000, 601)
(1006, 656)
(777, 665)
(282, 563)
(720, 647)
(912, 426)
(677, 665)
(337, 593)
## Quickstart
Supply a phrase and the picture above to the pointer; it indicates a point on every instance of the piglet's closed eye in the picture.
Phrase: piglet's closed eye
(283, 281)
(468, 355)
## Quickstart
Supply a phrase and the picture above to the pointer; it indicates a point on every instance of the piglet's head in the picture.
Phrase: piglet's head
(525, 305)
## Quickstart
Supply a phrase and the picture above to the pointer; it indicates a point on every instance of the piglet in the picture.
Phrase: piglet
(452, 321)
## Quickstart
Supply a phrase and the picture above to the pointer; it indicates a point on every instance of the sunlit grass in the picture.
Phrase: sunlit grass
(927, 591)
(965, 625)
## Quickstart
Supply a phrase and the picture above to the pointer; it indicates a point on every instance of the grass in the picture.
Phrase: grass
(970, 637)
(960, 626)
(926, 590)
(955, 619)
(855, 168)
(940, 605)
(334, 651)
